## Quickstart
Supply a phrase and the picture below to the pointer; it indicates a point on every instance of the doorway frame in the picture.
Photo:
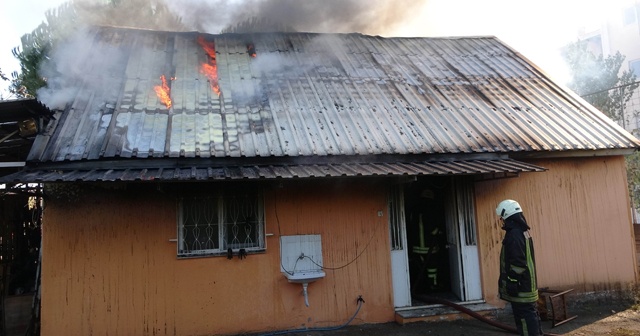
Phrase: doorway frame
(460, 210)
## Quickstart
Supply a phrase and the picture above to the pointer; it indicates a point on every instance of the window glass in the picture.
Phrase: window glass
(629, 16)
(199, 229)
(635, 67)
(210, 225)
(242, 221)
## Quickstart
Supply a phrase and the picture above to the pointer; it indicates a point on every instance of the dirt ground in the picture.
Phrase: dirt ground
(596, 318)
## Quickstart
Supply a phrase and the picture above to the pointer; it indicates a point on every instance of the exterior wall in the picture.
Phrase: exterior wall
(636, 228)
(580, 219)
(109, 267)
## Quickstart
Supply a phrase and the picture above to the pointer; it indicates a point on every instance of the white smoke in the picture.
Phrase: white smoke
(374, 17)
(79, 63)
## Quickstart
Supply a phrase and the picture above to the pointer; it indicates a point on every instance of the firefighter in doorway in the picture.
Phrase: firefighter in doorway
(428, 248)
(517, 283)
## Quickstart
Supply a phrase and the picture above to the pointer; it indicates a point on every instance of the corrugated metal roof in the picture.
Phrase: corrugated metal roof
(316, 95)
(505, 166)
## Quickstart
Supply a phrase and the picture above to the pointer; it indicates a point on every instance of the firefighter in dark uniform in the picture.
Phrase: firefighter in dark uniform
(428, 240)
(517, 282)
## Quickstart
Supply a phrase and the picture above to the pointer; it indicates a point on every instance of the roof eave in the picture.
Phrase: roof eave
(575, 153)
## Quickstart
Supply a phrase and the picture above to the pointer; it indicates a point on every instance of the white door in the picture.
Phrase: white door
(462, 242)
(399, 255)
(453, 242)
(468, 242)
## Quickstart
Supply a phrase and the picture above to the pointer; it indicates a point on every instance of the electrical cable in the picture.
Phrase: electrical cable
(293, 331)
(343, 266)
(275, 210)
(275, 207)
(350, 262)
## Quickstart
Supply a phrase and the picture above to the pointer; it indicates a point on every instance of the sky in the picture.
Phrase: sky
(16, 19)
(536, 29)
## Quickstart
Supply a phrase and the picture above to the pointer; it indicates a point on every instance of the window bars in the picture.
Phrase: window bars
(210, 225)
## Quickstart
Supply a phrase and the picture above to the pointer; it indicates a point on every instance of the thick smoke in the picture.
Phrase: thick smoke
(375, 17)
(76, 57)
(78, 63)
(145, 14)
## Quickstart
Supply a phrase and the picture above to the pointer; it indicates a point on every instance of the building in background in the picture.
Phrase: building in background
(619, 31)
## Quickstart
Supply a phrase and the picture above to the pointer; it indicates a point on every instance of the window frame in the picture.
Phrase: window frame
(222, 200)
(629, 16)
(632, 68)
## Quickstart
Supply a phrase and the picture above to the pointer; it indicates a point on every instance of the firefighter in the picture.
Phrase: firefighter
(428, 240)
(517, 283)
(428, 250)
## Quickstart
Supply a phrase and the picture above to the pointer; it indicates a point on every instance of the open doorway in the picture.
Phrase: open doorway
(441, 250)
(425, 215)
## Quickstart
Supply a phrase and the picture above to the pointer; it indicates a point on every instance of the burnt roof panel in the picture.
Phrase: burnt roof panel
(317, 95)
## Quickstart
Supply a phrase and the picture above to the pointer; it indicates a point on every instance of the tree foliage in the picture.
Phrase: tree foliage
(36, 46)
(633, 178)
(63, 21)
(598, 79)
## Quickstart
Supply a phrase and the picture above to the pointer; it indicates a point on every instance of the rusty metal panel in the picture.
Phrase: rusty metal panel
(321, 94)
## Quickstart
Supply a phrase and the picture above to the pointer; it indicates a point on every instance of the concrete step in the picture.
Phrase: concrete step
(433, 313)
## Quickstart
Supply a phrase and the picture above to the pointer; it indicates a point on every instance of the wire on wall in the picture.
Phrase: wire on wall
(275, 206)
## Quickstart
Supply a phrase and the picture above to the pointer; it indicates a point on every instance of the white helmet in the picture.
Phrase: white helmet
(507, 208)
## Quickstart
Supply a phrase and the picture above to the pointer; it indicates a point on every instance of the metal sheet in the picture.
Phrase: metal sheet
(275, 171)
(322, 94)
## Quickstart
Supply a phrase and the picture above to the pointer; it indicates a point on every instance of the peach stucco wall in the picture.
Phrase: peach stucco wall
(580, 219)
(110, 269)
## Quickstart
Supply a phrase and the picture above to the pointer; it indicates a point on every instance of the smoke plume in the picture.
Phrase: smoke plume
(75, 55)
(375, 17)
(73, 62)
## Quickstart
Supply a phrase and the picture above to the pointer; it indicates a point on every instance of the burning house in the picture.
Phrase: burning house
(217, 184)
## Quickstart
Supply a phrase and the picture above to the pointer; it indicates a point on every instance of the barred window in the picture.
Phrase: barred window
(210, 225)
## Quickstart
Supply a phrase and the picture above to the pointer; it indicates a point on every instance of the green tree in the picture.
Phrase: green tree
(63, 21)
(36, 46)
(599, 81)
(633, 178)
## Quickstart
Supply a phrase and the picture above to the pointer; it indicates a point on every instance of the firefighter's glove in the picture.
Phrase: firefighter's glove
(512, 286)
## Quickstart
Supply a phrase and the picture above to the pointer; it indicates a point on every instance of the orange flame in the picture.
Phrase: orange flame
(210, 70)
(163, 92)
(251, 50)
(209, 47)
